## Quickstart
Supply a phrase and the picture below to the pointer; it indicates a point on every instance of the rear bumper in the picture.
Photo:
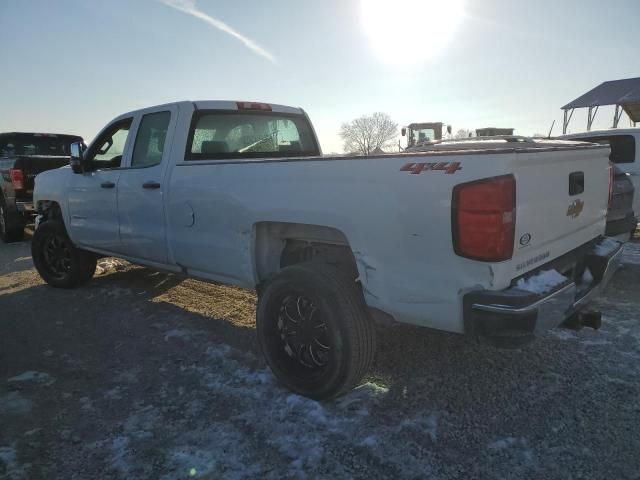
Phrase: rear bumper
(25, 208)
(625, 225)
(513, 317)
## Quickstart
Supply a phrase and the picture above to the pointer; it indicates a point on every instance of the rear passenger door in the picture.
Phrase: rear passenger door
(142, 187)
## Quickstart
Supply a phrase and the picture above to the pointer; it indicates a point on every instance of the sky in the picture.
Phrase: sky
(70, 66)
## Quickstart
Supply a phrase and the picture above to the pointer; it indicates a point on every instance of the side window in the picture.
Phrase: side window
(150, 139)
(107, 150)
(231, 135)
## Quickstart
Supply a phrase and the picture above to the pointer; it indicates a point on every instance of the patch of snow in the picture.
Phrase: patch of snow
(563, 334)
(595, 342)
(543, 282)
(119, 455)
(140, 424)
(427, 425)
(113, 394)
(109, 264)
(86, 404)
(631, 253)
(299, 430)
(606, 246)
(116, 292)
(369, 441)
(587, 277)
(11, 467)
(618, 381)
(15, 404)
(32, 376)
(128, 376)
(177, 333)
(504, 443)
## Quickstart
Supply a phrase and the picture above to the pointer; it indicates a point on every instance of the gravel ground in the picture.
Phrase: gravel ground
(143, 375)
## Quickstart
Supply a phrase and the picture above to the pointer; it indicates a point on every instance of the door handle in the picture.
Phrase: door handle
(107, 184)
(151, 185)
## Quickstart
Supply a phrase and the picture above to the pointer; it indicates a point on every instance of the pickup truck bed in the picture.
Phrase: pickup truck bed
(463, 240)
(22, 157)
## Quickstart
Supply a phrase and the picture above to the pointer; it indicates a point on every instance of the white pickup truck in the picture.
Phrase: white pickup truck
(497, 248)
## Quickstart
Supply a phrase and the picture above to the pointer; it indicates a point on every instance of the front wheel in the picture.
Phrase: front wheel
(314, 330)
(57, 260)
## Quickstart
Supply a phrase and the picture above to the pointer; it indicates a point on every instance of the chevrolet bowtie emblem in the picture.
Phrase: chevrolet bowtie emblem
(575, 209)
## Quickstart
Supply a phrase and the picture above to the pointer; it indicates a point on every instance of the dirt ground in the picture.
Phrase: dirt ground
(147, 375)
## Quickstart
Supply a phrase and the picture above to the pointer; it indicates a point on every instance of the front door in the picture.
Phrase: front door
(141, 188)
(92, 195)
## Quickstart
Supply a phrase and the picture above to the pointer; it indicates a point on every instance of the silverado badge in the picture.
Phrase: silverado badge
(575, 208)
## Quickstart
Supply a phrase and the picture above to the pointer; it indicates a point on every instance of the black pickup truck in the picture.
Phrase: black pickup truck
(22, 157)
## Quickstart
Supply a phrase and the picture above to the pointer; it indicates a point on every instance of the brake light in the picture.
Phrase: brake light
(484, 218)
(17, 178)
(611, 177)
(253, 106)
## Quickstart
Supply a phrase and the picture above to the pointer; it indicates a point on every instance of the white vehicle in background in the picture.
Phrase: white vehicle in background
(496, 243)
(625, 152)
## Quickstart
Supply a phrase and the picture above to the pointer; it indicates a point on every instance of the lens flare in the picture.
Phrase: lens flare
(410, 32)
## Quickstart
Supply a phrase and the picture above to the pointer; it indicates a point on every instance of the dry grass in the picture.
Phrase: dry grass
(230, 303)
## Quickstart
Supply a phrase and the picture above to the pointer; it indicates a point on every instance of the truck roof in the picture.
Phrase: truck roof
(40, 134)
(223, 105)
(603, 132)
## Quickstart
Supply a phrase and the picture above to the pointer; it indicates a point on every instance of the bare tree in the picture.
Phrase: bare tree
(463, 133)
(369, 133)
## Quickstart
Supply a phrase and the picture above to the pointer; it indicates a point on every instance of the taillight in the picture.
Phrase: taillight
(611, 178)
(484, 218)
(17, 178)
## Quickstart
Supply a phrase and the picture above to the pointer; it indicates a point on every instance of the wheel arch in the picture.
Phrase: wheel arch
(280, 244)
(51, 210)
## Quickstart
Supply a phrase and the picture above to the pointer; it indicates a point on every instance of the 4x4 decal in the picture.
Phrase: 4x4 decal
(416, 168)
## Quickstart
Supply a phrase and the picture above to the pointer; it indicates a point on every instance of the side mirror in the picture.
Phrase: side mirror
(449, 129)
(77, 157)
(403, 132)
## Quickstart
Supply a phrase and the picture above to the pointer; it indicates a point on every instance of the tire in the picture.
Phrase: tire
(314, 330)
(11, 230)
(57, 260)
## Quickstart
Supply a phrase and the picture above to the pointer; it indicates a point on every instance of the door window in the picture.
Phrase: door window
(106, 152)
(150, 139)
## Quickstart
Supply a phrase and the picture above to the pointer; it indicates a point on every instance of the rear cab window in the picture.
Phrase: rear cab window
(623, 147)
(230, 134)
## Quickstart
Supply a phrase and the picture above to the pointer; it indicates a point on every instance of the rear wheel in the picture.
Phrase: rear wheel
(11, 229)
(314, 330)
(57, 260)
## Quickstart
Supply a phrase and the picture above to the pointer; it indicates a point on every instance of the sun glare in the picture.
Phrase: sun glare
(410, 32)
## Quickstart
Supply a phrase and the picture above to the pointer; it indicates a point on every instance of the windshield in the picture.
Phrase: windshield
(36, 144)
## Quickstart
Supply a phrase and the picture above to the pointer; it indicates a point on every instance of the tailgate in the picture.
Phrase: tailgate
(561, 201)
(32, 165)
